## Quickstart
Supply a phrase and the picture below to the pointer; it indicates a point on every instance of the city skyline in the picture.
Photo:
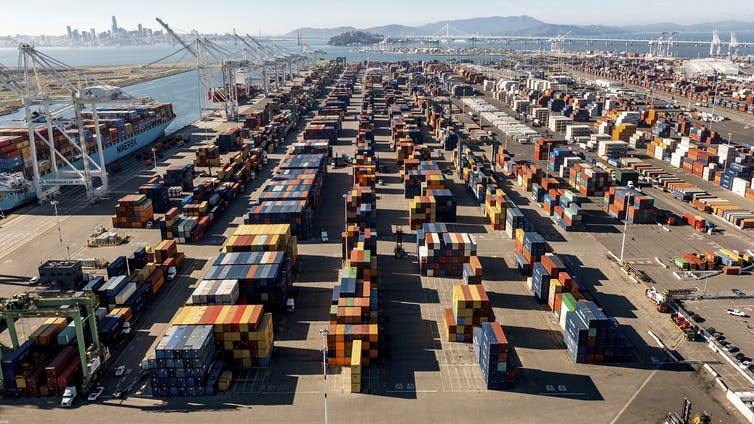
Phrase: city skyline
(276, 20)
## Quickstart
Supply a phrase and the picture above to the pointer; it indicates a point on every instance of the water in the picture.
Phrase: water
(181, 89)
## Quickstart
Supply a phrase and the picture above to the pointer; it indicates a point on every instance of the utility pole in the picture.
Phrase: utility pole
(54, 204)
(623, 243)
(323, 332)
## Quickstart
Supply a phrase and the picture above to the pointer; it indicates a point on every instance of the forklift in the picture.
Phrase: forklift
(398, 250)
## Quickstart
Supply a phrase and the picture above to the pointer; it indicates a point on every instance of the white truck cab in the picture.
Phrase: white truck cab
(68, 396)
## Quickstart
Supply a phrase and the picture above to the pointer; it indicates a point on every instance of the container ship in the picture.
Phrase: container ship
(124, 130)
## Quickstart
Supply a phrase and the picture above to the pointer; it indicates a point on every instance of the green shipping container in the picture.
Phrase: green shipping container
(623, 176)
(569, 302)
(67, 335)
(681, 263)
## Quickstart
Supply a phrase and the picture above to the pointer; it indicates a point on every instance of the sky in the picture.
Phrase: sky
(273, 18)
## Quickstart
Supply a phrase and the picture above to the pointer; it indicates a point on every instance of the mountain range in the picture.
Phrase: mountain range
(522, 25)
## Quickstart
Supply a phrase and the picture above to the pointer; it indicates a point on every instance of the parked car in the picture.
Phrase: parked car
(94, 395)
(730, 347)
(119, 371)
(738, 313)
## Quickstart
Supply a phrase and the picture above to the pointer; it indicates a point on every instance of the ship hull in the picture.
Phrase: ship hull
(111, 153)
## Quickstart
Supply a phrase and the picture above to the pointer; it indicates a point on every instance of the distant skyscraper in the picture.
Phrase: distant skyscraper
(141, 31)
(115, 25)
(93, 33)
(69, 32)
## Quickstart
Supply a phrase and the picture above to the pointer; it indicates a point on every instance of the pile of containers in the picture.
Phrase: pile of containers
(471, 308)
(157, 192)
(229, 140)
(263, 277)
(133, 211)
(530, 247)
(207, 156)
(215, 292)
(442, 253)
(494, 353)
(625, 203)
(182, 363)
(591, 337)
(361, 206)
(243, 334)
(589, 180)
(180, 175)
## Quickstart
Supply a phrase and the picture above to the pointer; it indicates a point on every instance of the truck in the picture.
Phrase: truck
(660, 301)
(699, 223)
(68, 396)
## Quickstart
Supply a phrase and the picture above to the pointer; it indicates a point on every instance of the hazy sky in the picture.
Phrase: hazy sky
(278, 17)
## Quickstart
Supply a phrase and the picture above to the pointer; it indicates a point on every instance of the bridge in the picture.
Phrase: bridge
(661, 46)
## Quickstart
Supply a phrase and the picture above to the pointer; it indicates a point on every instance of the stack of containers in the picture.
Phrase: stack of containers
(182, 362)
(361, 206)
(445, 204)
(543, 274)
(297, 213)
(46, 334)
(229, 140)
(263, 277)
(422, 210)
(365, 263)
(471, 308)
(625, 203)
(441, 253)
(133, 211)
(243, 334)
(541, 146)
(495, 208)
(343, 338)
(495, 356)
(413, 179)
(158, 193)
(514, 219)
(558, 158)
(62, 369)
(215, 292)
(263, 238)
(180, 175)
(592, 337)
(589, 180)
(472, 271)
(207, 156)
(356, 234)
(530, 247)
(354, 300)
(165, 250)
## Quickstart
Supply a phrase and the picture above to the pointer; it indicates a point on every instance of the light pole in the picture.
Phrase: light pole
(54, 204)
(345, 222)
(623, 243)
(154, 157)
(730, 136)
(323, 332)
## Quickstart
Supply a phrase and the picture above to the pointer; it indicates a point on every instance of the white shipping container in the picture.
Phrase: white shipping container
(125, 293)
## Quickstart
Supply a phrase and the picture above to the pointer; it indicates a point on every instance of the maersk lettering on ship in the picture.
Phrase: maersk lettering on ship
(123, 129)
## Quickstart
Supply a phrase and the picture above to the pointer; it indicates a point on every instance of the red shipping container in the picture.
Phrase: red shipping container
(70, 376)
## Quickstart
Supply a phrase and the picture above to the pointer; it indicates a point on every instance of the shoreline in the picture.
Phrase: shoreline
(120, 76)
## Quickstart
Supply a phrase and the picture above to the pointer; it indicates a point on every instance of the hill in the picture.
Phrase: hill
(355, 38)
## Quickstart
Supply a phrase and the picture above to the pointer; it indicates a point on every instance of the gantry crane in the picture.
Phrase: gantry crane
(212, 59)
(69, 305)
(40, 73)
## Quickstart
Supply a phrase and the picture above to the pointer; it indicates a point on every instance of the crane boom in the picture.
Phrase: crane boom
(172, 33)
